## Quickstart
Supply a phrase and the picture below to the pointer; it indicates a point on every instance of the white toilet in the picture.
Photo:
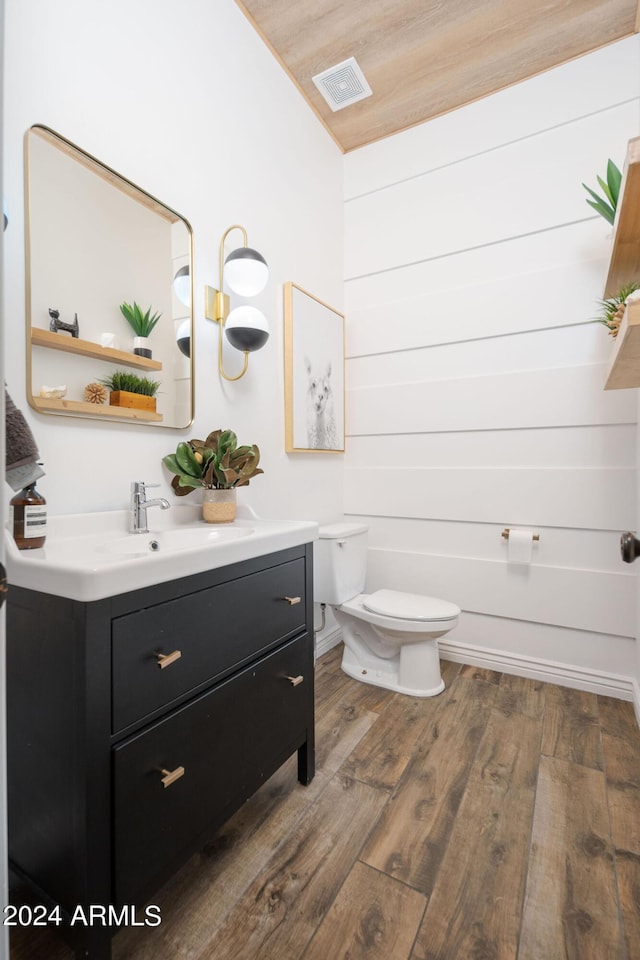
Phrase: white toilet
(390, 638)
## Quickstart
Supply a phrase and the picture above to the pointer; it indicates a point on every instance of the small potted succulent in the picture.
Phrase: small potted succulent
(129, 390)
(612, 310)
(142, 324)
(218, 466)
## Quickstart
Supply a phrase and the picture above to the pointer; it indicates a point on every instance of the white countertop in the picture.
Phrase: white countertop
(90, 556)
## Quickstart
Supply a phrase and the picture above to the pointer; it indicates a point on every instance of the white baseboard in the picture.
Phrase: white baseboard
(329, 640)
(636, 700)
(564, 674)
(549, 671)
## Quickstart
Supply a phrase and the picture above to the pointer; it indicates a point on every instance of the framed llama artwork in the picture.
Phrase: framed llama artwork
(314, 374)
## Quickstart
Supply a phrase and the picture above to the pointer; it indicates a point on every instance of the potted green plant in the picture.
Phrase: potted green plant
(130, 390)
(606, 205)
(612, 310)
(218, 466)
(142, 324)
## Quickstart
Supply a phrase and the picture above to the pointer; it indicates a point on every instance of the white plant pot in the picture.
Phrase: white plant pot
(141, 347)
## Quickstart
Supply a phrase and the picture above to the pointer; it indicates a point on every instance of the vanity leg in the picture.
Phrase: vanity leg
(307, 761)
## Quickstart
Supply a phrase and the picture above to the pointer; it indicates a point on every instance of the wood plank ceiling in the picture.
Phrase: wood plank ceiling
(423, 58)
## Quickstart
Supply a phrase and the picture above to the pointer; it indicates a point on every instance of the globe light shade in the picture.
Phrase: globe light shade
(246, 272)
(247, 328)
(183, 337)
(182, 286)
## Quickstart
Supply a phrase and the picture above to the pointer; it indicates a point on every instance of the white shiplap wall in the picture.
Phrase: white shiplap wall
(474, 374)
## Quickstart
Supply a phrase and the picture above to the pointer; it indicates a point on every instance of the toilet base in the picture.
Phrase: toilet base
(417, 676)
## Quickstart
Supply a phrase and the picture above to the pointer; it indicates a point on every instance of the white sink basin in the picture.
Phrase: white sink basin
(141, 544)
(91, 556)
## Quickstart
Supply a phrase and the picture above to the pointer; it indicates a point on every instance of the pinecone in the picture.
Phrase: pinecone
(95, 393)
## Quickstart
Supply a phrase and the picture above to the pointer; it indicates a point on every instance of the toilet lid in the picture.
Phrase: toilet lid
(409, 606)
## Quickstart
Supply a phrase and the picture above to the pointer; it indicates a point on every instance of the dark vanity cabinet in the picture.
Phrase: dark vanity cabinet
(139, 723)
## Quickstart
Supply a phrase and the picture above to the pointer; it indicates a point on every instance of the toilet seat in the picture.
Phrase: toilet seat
(409, 606)
(357, 607)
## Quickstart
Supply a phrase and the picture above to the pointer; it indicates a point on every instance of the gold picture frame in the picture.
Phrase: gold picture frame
(314, 374)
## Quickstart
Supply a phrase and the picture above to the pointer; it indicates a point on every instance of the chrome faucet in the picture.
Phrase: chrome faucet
(140, 505)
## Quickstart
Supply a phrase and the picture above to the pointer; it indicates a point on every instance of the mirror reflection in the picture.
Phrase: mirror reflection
(109, 284)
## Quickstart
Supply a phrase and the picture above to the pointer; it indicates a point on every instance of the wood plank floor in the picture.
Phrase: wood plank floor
(498, 821)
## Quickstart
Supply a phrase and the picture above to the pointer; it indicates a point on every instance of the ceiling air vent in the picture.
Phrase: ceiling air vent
(343, 84)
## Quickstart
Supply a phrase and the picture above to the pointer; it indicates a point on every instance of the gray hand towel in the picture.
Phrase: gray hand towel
(22, 452)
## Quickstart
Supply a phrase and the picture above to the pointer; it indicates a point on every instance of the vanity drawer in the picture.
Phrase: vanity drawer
(213, 631)
(227, 741)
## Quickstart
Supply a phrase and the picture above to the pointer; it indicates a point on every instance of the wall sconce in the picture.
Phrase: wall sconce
(182, 285)
(183, 337)
(245, 327)
(182, 290)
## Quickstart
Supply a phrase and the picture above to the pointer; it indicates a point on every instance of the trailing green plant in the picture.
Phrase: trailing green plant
(606, 206)
(612, 310)
(123, 380)
(217, 463)
(141, 323)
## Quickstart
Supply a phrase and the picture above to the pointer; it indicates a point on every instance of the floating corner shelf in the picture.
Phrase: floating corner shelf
(624, 267)
(624, 263)
(624, 367)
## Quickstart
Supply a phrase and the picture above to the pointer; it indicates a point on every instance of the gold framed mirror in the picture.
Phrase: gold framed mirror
(94, 242)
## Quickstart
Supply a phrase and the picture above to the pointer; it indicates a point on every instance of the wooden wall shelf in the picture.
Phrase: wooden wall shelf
(624, 265)
(86, 348)
(84, 409)
(624, 366)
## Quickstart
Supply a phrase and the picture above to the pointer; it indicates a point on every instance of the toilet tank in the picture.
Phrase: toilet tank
(339, 562)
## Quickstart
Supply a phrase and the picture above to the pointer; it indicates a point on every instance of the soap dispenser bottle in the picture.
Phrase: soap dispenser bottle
(28, 518)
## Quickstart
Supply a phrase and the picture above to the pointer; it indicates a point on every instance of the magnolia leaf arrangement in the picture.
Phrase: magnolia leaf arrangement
(217, 463)
(612, 310)
(130, 382)
(606, 205)
(141, 323)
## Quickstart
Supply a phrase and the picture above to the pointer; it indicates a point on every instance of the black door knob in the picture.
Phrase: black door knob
(629, 547)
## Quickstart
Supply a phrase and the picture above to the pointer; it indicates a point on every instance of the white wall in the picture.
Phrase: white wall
(474, 374)
(185, 101)
(472, 265)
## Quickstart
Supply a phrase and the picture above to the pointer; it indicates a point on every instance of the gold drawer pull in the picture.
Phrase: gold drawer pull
(295, 681)
(170, 776)
(166, 659)
(292, 600)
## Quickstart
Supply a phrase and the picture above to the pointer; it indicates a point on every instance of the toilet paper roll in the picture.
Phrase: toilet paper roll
(520, 547)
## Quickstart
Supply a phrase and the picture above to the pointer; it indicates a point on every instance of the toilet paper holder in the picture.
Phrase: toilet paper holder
(505, 534)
